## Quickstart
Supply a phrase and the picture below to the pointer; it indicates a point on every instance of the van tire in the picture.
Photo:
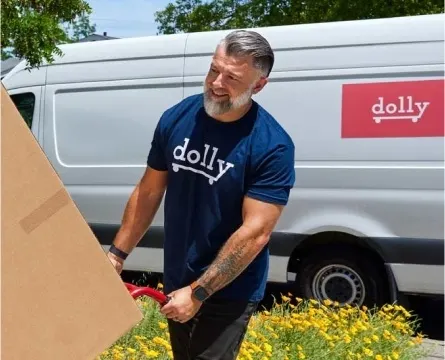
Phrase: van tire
(339, 272)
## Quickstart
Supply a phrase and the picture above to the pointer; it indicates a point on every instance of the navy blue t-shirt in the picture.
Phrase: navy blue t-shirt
(211, 166)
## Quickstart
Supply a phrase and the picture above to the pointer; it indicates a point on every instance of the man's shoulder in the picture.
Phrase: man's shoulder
(189, 104)
(269, 132)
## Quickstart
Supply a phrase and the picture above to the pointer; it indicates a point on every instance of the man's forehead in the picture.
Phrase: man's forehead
(220, 58)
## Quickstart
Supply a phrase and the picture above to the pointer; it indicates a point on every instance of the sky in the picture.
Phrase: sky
(126, 18)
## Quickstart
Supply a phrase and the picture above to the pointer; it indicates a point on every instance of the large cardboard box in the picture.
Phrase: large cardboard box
(60, 296)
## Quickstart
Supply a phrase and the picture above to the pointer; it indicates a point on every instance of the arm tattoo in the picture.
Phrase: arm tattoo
(232, 259)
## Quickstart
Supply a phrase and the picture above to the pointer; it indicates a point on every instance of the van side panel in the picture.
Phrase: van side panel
(98, 134)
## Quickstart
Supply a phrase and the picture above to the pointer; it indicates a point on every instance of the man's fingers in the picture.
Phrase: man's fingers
(169, 310)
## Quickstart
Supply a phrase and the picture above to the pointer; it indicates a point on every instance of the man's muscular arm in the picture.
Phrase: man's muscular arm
(141, 209)
(259, 219)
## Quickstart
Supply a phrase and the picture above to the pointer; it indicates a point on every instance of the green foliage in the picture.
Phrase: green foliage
(200, 15)
(294, 329)
(81, 28)
(33, 28)
(6, 54)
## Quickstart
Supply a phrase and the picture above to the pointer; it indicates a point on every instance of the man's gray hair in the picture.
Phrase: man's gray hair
(250, 43)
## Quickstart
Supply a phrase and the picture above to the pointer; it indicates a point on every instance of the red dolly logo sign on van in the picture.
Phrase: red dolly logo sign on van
(393, 109)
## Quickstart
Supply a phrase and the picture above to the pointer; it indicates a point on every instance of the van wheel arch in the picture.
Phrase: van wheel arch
(355, 258)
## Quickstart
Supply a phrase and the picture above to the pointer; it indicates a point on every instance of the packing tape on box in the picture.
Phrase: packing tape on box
(51, 206)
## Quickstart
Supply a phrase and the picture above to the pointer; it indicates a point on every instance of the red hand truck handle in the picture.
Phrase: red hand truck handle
(137, 291)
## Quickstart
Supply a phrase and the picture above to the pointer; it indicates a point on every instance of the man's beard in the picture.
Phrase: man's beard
(215, 107)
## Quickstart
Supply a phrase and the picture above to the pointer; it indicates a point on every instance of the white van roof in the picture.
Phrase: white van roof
(305, 36)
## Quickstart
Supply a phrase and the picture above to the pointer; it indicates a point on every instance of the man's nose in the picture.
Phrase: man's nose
(218, 82)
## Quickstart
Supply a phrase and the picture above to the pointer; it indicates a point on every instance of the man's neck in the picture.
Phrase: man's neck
(235, 114)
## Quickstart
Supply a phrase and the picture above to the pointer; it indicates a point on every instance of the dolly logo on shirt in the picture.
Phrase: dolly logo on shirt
(193, 160)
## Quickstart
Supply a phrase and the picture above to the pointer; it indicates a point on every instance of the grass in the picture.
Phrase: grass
(293, 329)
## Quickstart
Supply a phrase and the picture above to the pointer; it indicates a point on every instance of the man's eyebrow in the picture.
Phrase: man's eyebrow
(215, 66)
(236, 76)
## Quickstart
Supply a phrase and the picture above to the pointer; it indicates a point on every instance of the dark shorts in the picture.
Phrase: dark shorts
(215, 333)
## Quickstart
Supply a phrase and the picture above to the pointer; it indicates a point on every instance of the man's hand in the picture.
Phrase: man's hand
(182, 306)
(117, 262)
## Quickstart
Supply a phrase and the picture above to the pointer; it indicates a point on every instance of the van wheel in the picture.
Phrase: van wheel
(341, 274)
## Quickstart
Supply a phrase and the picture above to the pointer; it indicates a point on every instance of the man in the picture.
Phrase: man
(227, 167)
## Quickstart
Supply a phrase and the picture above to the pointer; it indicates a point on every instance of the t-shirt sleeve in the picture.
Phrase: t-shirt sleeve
(273, 175)
(156, 157)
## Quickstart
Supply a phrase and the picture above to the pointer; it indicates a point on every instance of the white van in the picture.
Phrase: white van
(363, 101)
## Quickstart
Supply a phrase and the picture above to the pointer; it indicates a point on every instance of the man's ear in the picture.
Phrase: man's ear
(261, 83)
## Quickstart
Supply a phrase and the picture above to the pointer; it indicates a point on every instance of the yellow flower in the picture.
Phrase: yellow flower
(378, 357)
(395, 355)
(368, 352)
(131, 350)
(139, 337)
(267, 347)
(151, 353)
(301, 355)
(160, 341)
(246, 354)
(162, 325)
(285, 298)
(255, 348)
(418, 340)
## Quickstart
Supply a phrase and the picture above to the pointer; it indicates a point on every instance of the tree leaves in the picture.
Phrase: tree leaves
(197, 15)
(33, 28)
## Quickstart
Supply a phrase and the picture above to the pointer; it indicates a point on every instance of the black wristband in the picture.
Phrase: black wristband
(114, 250)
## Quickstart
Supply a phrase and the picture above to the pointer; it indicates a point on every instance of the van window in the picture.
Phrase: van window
(25, 104)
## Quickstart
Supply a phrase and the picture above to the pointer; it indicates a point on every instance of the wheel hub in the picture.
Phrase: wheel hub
(339, 283)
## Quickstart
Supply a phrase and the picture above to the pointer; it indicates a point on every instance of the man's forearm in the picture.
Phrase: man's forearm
(236, 254)
(138, 215)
